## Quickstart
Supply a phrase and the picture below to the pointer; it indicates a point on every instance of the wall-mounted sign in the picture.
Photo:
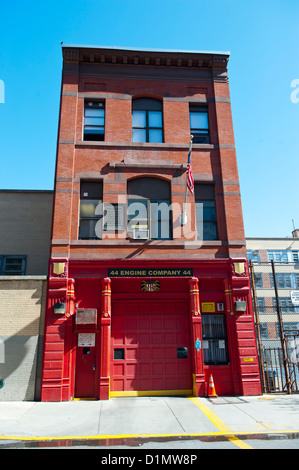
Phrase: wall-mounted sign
(86, 316)
(86, 340)
(161, 272)
(208, 307)
(197, 344)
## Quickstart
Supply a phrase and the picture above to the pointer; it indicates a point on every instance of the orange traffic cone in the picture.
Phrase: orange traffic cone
(212, 391)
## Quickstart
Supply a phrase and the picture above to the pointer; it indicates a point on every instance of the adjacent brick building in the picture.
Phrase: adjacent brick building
(141, 301)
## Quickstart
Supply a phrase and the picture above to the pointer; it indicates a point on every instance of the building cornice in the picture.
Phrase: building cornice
(152, 57)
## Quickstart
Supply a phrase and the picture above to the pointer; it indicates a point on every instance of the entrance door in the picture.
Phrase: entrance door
(85, 369)
(150, 347)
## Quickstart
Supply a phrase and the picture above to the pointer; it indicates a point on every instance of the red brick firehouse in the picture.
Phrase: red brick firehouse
(148, 289)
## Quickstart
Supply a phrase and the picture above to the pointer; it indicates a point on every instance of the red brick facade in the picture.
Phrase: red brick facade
(218, 266)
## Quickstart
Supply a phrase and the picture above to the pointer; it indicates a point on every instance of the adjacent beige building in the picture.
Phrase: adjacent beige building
(25, 226)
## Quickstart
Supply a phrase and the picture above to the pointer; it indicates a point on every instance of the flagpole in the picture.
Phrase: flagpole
(184, 215)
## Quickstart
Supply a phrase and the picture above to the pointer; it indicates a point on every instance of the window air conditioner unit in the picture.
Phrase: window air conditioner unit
(140, 234)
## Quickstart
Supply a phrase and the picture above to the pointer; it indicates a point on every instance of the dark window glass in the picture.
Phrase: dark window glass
(199, 124)
(147, 120)
(91, 197)
(119, 354)
(94, 120)
(13, 265)
(206, 215)
(149, 216)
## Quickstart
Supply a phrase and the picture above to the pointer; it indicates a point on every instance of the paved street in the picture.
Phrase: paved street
(155, 423)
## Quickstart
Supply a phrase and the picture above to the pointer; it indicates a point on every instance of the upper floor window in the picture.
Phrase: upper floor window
(206, 216)
(199, 124)
(149, 210)
(253, 255)
(94, 120)
(14, 265)
(91, 195)
(147, 120)
(280, 256)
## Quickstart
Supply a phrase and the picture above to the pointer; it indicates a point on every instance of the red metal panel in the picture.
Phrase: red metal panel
(149, 334)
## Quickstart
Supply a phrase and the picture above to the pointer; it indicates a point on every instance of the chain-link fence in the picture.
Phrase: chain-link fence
(275, 296)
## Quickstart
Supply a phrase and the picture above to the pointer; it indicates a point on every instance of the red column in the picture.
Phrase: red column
(196, 340)
(105, 340)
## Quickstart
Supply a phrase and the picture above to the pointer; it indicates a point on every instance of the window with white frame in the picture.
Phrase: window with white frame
(286, 305)
(285, 280)
(279, 256)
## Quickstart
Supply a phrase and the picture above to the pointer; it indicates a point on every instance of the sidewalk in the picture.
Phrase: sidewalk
(144, 416)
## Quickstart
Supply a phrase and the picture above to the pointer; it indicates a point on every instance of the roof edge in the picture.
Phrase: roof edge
(141, 49)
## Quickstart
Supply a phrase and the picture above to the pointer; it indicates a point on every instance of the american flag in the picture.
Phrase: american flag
(190, 182)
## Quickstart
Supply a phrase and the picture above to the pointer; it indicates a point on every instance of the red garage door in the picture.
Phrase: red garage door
(150, 347)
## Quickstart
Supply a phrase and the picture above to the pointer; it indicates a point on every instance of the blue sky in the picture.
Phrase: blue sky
(263, 40)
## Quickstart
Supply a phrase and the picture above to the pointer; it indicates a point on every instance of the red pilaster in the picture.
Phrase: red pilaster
(196, 339)
(105, 340)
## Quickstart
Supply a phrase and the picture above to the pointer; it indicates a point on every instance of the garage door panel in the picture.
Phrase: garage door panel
(132, 338)
(131, 353)
(144, 324)
(144, 353)
(157, 324)
(144, 338)
(170, 338)
(157, 338)
(151, 334)
(157, 369)
(157, 353)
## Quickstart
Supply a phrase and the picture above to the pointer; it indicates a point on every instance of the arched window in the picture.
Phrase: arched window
(147, 120)
(149, 209)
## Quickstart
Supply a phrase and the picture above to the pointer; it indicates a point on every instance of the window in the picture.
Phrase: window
(253, 255)
(261, 305)
(295, 256)
(94, 120)
(149, 212)
(283, 280)
(91, 195)
(278, 256)
(199, 124)
(286, 305)
(14, 265)
(206, 216)
(147, 120)
(264, 331)
(258, 280)
(215, 349)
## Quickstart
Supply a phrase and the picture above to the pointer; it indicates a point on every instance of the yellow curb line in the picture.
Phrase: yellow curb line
(220, 424)
(142, 436)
